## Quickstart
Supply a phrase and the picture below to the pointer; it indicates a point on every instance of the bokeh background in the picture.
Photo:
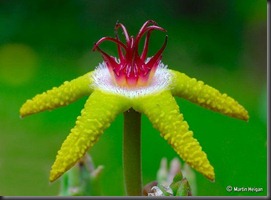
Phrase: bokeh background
(43, 43)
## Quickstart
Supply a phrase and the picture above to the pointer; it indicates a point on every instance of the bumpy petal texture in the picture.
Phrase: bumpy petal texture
(206, 96)
(163, 111)
(99, 111)
(56, 97)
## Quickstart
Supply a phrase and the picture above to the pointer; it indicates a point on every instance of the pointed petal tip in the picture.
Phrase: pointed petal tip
(246, 118)
(243, 116)
(51, 177)
(210, 177)
(212, 180)
(54, 176)
(22, 113)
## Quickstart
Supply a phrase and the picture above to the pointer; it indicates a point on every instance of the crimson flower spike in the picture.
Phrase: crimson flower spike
(131, 69)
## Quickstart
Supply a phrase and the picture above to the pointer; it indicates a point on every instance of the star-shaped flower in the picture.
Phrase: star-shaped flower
(139, 82)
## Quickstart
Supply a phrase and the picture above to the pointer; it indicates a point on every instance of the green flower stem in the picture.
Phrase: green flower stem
(132, 153)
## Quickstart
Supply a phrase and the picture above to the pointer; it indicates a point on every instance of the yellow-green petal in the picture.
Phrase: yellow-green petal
(56, 97)
(163, 111)
(99, 111)
(206, 96)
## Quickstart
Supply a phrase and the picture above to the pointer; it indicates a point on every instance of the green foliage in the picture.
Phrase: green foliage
(171, 182)
(82, 179)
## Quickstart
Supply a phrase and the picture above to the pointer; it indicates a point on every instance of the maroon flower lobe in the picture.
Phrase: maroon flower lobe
(132, 69)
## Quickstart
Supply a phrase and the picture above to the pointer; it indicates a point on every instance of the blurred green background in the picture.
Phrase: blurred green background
(43, 43)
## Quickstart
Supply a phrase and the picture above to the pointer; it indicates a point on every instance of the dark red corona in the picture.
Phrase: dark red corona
(132, 69)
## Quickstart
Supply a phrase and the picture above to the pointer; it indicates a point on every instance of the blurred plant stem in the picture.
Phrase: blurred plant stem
(81, 179)
(132, 153)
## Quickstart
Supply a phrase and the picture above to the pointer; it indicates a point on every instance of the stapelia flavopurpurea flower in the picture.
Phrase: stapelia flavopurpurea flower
(133, 81)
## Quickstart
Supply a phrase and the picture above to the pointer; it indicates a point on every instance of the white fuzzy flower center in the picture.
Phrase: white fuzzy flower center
(102, 80)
